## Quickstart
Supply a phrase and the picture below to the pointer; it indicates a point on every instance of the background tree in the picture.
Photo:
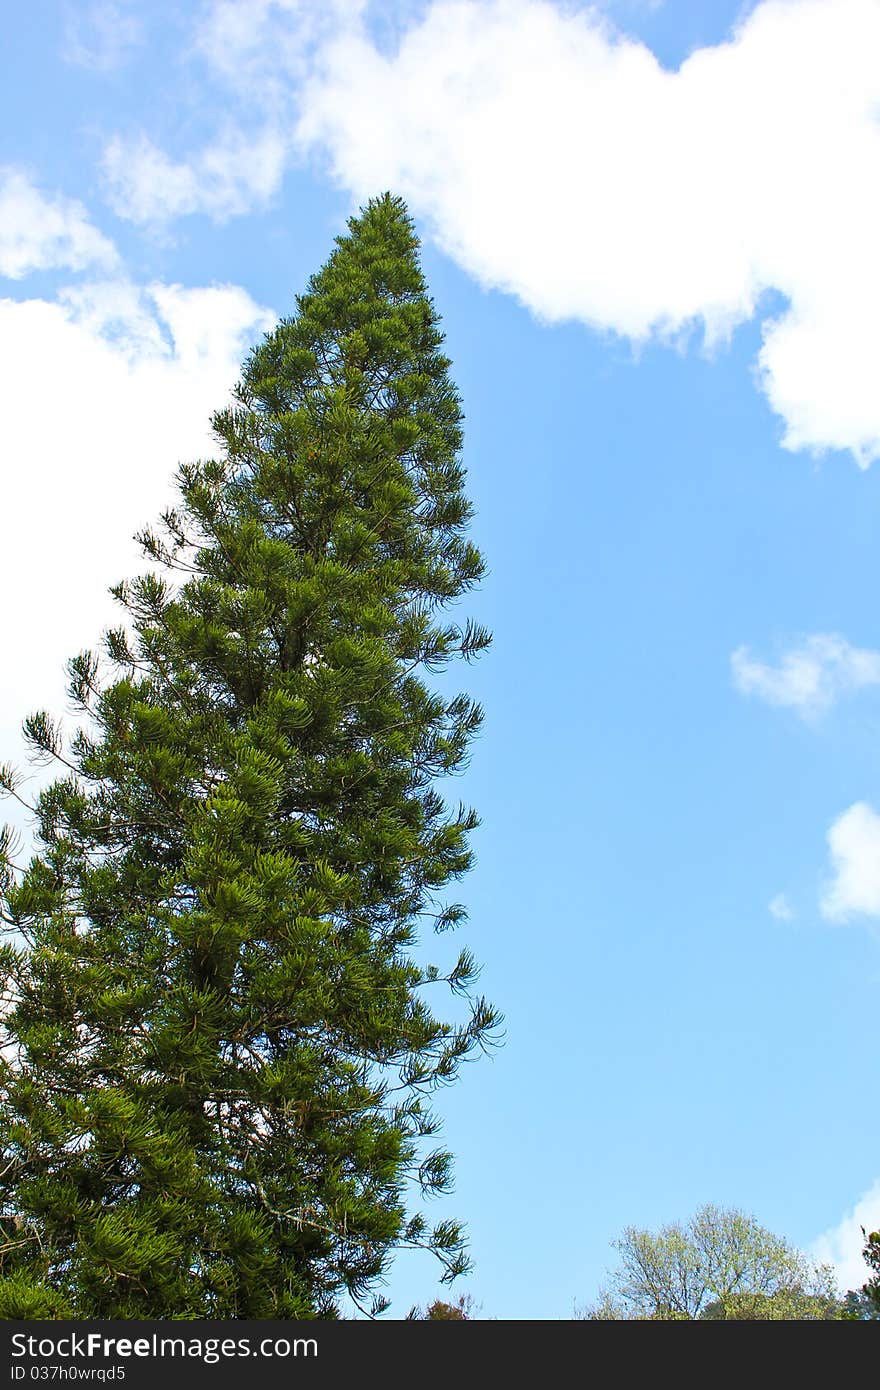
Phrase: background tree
(217, 1050)
(462, 1310)
(863, 1305)
(721, 1264)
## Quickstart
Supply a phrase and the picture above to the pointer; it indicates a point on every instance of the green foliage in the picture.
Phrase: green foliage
(863, 1305)
(218, 1054)
(818, 1302)
(871, 1252)
(440, 1311)
(720, 1265)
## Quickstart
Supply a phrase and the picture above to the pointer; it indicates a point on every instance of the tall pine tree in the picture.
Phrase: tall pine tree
(218, 1050)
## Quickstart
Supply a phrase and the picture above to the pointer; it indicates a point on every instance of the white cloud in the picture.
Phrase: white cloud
(101, 36)
(841, 1246)
(228, 177)
(112, 387)
(262, 50)
(809, 678)
(260, 45)
(558, 161)
(854, 846)
(38, 233)
(780, 908)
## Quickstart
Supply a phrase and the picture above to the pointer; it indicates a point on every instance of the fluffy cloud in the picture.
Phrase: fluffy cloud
(810, 677)
(228, 177)
(841, 1246)
(258, 46)
(780, 908)
(39, 233)
(262, 51)
(112, 387)
(557, 160)
(854, 846)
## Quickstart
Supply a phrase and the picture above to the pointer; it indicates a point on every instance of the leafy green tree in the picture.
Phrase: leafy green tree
(217, 1047)
(871, 1253)
(859, 1307)
(441, 1311)
(817, 1302)
(863, 1305)
(721, 1264)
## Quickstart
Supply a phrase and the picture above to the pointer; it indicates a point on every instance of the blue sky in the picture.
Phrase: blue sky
(650, 230)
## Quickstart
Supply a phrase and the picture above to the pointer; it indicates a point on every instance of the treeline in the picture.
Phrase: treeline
(721, 1265)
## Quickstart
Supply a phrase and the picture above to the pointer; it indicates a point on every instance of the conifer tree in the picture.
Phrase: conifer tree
(218, 1047)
